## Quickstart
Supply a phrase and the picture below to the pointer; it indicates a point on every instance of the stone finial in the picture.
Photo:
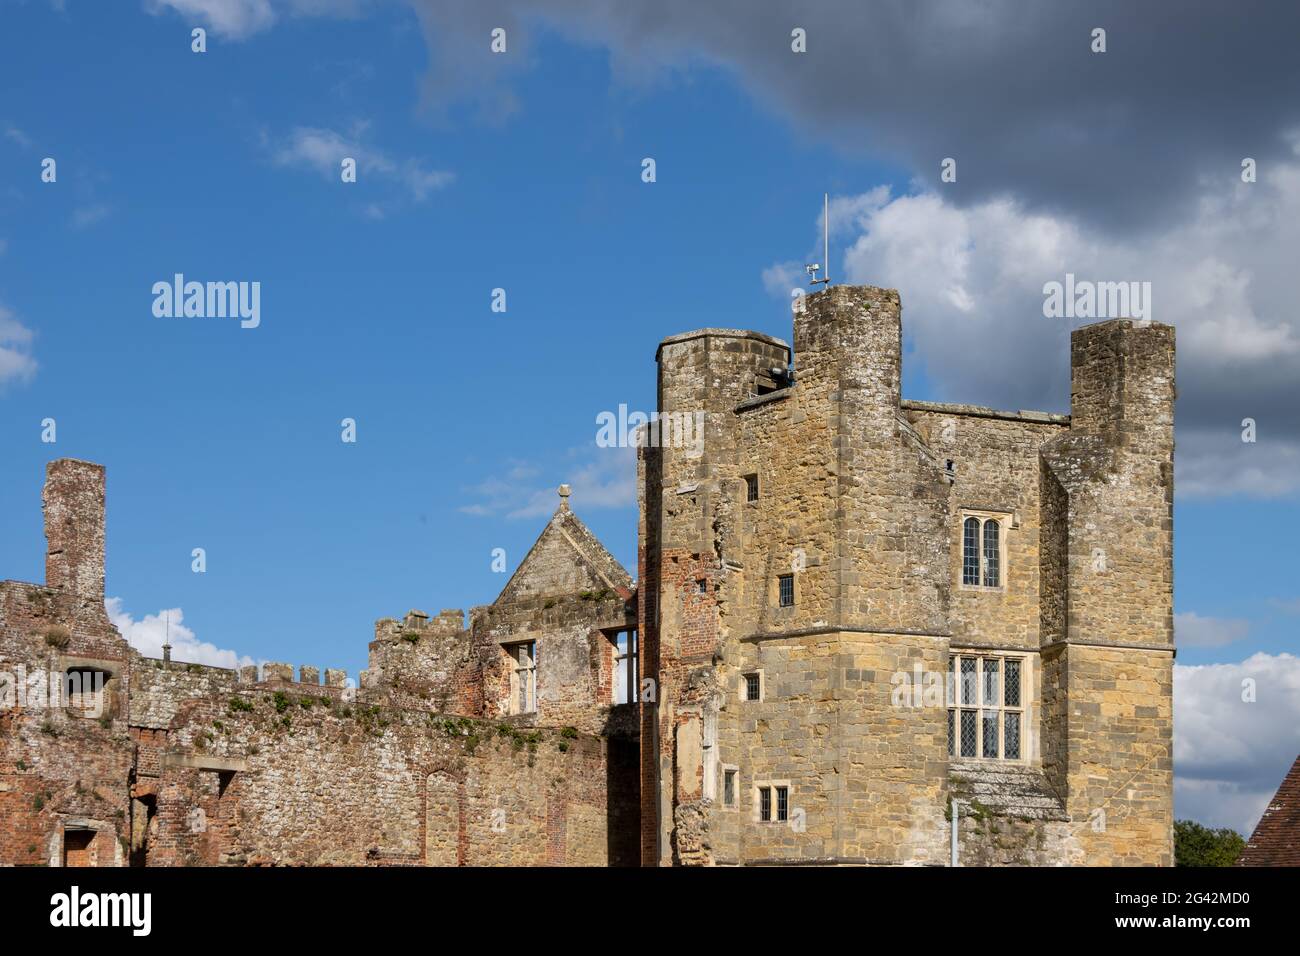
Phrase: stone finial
(565, 491)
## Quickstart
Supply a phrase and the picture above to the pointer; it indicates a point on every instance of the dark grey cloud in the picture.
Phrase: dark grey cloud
(1009, 88)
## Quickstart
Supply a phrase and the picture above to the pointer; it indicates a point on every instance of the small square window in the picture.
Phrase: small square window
(703, 585)
(786, 583)
(753, 687)
(751, 487)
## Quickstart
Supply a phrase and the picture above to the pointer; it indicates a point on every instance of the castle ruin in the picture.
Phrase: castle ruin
(853, 614)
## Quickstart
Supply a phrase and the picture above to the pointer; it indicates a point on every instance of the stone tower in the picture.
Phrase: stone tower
(803, 598)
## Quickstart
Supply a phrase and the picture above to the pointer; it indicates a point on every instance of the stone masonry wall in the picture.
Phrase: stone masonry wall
(64, 766)
(320, 782)
(860, 499)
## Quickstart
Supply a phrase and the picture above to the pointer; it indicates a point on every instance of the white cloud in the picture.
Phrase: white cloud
(1214, 462)
(86, 216)
(16, 362)
(240, 19)
(1230, 755)
(323, 151)
(235, 19)
(781, 278)
(972, 279)
(1291, 606)
(18, 136)
(1192, 630)
(148, 634)
(598, 477)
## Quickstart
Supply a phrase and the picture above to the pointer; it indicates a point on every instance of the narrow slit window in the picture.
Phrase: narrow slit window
(782, 803)
(625, 667)
(968, 680)
(786, 587)
(524, 679)
(981, 552)
(990, 554)
(991, 667)
(1012, 688)
(765, 804)
(990, 733)
(969, 732)
(1011, 735)
(970, 565)
(751, 487)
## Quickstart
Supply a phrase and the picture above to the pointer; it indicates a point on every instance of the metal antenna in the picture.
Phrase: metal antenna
(813, 267)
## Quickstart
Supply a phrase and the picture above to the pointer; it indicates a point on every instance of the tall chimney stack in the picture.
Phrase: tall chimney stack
(74, 527)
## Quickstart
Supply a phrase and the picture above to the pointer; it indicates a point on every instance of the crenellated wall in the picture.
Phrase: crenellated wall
(176, 763)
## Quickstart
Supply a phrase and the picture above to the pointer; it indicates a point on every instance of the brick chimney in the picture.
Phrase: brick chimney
(74, 527)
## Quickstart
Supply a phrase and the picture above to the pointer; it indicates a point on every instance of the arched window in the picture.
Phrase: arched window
(991, 553)
(970, 564)
(981, 551)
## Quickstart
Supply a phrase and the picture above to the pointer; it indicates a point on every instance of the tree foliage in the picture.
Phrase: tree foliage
(1196, 845)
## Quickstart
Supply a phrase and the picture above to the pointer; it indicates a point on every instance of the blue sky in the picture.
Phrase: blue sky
(376, 306)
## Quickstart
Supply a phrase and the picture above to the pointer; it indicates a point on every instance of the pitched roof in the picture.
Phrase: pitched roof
(566, 538)
(1276, 840)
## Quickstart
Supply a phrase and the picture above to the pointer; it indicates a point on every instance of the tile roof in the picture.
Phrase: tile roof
(1276, 840)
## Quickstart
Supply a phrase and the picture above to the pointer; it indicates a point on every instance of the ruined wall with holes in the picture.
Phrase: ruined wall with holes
(861, 495)
(178, 763)
(64, 765)
(292, 779)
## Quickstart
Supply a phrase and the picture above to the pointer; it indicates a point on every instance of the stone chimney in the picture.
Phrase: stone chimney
(73, 500)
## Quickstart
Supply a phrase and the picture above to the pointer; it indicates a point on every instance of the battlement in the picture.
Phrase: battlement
(275, 672)
(416, 624)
